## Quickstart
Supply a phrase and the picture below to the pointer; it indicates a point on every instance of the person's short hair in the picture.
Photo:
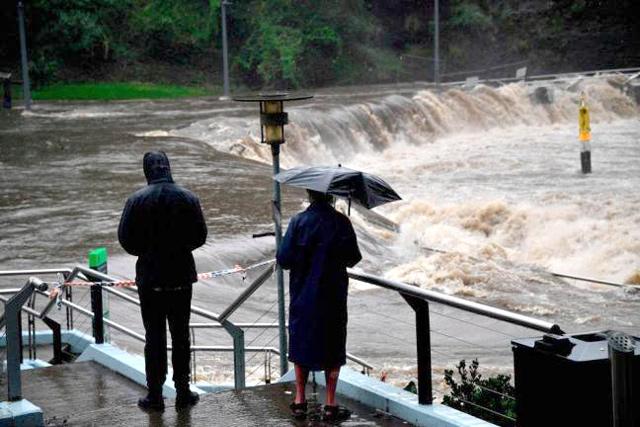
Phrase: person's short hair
(317, 196)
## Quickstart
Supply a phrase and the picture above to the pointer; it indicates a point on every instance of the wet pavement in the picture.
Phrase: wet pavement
(257, 406)
(63, 390)
(87, 394)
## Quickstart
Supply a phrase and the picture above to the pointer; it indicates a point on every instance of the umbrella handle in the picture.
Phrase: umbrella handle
(349, 208)
(268, 233)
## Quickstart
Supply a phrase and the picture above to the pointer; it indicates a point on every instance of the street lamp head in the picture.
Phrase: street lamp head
(272, 115)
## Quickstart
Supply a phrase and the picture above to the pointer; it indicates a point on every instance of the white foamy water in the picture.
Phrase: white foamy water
(487, 174)
(493, 200)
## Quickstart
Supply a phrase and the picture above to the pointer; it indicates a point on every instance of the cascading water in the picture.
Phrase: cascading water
(493, 198)
(333, 133)
(515, 157)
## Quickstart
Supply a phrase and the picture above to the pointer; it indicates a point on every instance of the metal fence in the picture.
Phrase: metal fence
(442, 329)
(252, 343)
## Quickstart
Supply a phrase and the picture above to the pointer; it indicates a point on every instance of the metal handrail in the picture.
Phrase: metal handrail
(250, 290)
(141, 338)
(593, 73)
(11, 317)
(561, 275)
(588, 280)
(220, 320)
(473, 307)
(27, 310)
(541, 77)
(9, 291)
(263, 325)
(418, 299)
(34, 271)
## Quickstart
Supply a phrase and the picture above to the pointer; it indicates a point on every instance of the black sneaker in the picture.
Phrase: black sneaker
(299, 410)
(186, 398)
(151, 403)
(335, 414)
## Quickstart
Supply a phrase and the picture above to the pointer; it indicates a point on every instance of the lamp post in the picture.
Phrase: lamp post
(26, 87)
(225, 53)
(436, 43)
(272, 121)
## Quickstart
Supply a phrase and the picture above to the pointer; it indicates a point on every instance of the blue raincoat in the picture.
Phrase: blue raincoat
(318, 247)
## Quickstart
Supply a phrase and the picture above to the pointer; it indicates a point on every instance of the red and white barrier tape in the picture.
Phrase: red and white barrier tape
(57, 286)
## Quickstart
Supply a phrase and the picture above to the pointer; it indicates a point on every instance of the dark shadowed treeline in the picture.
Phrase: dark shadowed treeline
(314, 43)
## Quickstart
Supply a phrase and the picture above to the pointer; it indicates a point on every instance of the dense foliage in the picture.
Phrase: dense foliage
(301, 43)
(488, 398)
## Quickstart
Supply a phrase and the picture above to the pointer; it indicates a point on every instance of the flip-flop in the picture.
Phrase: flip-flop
(299, 410)
(335, 413)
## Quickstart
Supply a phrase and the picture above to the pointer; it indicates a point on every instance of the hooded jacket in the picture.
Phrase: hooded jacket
(161, 224)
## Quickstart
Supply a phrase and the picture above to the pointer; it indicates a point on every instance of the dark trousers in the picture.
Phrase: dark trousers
(157, 308)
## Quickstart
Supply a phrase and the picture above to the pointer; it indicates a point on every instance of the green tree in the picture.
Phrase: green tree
(174, 30)
(80, 29)
(296, 43)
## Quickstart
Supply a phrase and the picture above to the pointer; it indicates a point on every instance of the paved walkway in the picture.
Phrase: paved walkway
(87, 394)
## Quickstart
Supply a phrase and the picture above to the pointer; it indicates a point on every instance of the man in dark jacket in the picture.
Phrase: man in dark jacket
(161, 224)
(318, 247)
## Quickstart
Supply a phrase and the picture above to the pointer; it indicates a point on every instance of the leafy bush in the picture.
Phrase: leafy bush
(293, 44)
(490, 399)
(80, 29)
(173, 30)
(43, 69)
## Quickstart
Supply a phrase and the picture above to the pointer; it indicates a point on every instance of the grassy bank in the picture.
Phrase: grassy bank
(114, 91)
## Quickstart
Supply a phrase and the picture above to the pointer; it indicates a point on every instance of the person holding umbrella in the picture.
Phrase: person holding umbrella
(319, 245)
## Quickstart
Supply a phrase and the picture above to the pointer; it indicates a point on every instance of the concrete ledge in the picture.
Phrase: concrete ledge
(20, 414)
(128, 365)
(213, 388)
(396, 401)
(76, 340)
(33, 364)
(28, 364)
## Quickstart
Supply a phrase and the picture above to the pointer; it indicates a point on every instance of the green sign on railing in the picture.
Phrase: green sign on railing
(98, 259)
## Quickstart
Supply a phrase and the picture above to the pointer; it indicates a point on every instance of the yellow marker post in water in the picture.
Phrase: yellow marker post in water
(583, 120)
(584, 124)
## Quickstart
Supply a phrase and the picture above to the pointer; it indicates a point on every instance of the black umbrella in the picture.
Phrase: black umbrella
(363, 188)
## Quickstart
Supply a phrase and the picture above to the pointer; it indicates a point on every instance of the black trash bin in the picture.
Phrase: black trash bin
(566, 380)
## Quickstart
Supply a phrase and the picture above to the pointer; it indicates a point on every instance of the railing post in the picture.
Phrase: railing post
(20, 339)
(6, 89)
(237, 334)
(621, 355)
(96, 308)
(423, 335)
(57, 339)
(14, 351)
(68, 294)
(14, 337)
(97, 259)
(239, 360)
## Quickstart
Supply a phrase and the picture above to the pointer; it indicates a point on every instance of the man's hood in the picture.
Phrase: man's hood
(156, 167)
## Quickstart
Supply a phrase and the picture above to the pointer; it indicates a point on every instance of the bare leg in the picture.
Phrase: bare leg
(331, 378)
(302, 374)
